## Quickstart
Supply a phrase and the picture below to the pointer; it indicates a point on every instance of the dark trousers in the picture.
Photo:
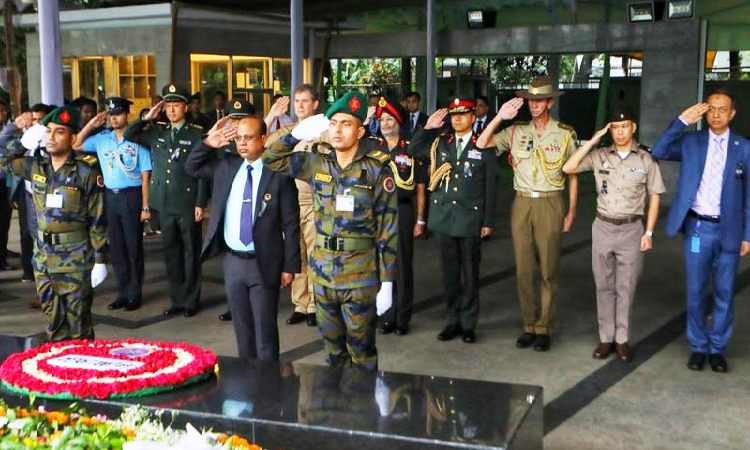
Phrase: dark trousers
(28, 229)
(254, 308)
(125, 234)
(403, 289)
(181, 237)
(5, 213)
(460, 257)
(705, 263)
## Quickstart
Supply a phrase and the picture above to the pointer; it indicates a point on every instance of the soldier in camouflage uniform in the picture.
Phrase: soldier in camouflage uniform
(69, 254)
(178, 198)
(355, 219)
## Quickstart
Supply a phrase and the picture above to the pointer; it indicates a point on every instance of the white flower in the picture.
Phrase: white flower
(3, 421)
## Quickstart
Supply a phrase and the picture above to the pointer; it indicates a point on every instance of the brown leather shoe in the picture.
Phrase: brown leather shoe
(35, 304)
(603, 350)
(623, 351)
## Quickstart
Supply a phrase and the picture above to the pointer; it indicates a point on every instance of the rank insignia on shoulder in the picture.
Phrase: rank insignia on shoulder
(325, 178)
(380, 156)
(389, 184)
(39, 178)
(564, 126)
(644, 147)
(89, 159)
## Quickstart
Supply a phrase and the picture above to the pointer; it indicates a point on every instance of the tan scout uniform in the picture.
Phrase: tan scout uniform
(616, 259)
(537, 214)
(302, 286)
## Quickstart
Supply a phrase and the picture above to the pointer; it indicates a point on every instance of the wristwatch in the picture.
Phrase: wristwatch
(421, 222)
(650, 233)
(146, 209)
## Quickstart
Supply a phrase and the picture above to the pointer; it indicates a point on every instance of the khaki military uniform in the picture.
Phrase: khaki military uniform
(174, 195)
(537, 214)
(355, 245)
(72, 237)
(622, 186)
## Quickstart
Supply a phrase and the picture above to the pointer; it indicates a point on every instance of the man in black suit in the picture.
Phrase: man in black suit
(256, 221)
(218, 112)
(481, 111)
(417, 118)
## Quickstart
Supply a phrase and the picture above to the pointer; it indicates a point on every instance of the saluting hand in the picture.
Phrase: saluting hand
(693, 114)
(98, 120)
(218, 138)
(279, 107)
(154, 112)
(220, 124)
(23, 122)
(599, 134)
(509, 110)
(370, 113)
(436, 119)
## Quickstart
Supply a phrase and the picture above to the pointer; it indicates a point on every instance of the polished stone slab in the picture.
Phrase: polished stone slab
(317, 407)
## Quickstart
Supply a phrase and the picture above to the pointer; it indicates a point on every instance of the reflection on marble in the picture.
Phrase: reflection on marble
(308, 407)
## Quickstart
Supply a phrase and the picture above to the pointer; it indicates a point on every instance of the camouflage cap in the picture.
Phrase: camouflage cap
(240, 108)
(353, 103)
(175, 93)
(67, 115)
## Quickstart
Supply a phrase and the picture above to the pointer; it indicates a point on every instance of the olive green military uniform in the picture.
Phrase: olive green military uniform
(72, 236)
(462, 202)
(174, 195)
(537, 214)
(355, 246)
(616, 259)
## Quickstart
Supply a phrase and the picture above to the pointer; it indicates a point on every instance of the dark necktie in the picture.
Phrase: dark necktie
(480, 126)
(246, 221)
(173, 135)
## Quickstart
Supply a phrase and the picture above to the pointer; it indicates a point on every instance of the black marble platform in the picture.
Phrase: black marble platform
(304, 407)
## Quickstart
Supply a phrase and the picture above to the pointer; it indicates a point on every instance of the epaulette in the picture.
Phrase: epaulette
(379, 155)
(88, 159)
(379, 140)
(565, 126)
(164, 124)
(195, 125)
(644, 147)
(521, 122)
(322, 147)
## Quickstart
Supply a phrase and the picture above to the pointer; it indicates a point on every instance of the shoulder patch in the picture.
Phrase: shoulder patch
(565, 126)
(89, 159)
(389, 184)
(379, 155)
(100, 181)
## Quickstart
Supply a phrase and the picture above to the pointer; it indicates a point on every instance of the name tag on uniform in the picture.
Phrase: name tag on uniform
(638, 171)
(54, 200)
(186, 142)
(475, 154)
(345, 202)
(604, 172)
(325, 178)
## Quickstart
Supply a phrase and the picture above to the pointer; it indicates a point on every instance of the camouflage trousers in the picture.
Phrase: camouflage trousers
(66, 301)
(347, 322)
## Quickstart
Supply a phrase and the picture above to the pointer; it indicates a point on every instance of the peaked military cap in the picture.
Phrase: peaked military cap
(240, 108)
(387, 105)
(67, 115)
(353, 103)
(175, 93)
(620, 113)
(458, 106)
(117, 105)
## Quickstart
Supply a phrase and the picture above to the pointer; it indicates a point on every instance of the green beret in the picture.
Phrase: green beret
(175, 93)
(240, 108)
(67, 115)
(353, 103)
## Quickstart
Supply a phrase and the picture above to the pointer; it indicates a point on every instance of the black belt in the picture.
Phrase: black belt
(123, 190)
(712, 219)
(242, 255)
(622, 221)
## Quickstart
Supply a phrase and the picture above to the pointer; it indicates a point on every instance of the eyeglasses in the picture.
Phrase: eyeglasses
(246, 138)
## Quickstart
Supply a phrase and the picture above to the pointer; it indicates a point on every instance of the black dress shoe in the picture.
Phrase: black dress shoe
(190, 312)
(311, 320)
(525, 340)
(541, 343)
(173, 311)
(696, 361)
(132, 306)
(226, 317)
(26, 278)
(117, 304)
(296, 317)
(469, 336)
(449, 333)
(13, 254)
(718, 363)
(387, 328)
(5, 266)
(402, 330)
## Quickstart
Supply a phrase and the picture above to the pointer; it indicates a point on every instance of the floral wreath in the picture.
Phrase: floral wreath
(105, 369)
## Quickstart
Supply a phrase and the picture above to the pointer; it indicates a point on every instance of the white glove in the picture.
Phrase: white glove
(384, 299)
(382, 397)
(34, 137)
(98, 274)
(311, 128)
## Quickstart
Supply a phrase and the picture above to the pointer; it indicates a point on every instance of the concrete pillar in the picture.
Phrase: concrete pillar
(297, 50)
(431, 88)
(50, 50)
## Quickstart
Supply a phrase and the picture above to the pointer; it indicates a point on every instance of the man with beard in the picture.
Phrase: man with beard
(126, 167)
